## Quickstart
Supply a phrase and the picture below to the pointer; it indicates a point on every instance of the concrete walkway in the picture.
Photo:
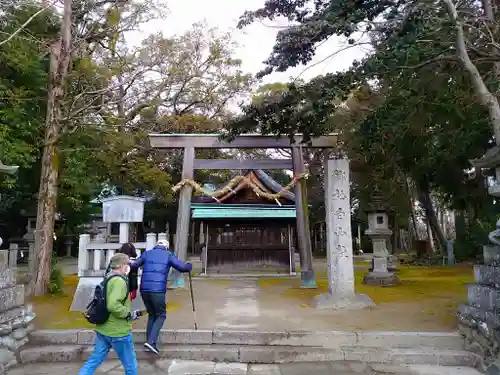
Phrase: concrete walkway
(278, 304)
(271, 305)
(176, 367)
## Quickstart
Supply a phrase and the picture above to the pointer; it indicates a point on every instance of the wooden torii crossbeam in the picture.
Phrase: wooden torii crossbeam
(190, 142)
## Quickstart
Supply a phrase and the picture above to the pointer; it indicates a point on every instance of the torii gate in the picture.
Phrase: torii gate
(190, 142)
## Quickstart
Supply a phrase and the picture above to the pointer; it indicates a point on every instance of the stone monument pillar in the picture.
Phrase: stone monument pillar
(379, 232)
(339, 250)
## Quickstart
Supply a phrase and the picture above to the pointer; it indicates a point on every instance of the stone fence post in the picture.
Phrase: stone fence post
(13, 253)
(150, 241)
(83, 254)
(162, 236)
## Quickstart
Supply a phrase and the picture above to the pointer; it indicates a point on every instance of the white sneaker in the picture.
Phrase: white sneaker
(151, 348)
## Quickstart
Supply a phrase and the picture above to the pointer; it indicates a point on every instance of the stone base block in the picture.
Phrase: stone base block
(485, 297)
(391, 269)
(85, 291)
(491, 255)
(308, 284)
(176, 281)
(308, 280)
(381, 278)
(391, 264)
(333, 302)
(487, 275)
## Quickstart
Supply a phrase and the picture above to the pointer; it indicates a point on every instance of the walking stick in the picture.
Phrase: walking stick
(192, 300)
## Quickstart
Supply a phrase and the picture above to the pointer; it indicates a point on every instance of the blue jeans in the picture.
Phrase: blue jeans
(124, 348)
(157, 312)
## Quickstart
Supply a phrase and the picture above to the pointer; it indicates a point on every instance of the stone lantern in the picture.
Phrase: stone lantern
(379, 232)
(6, 169)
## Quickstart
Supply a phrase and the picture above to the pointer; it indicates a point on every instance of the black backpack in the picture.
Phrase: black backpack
(97, 310)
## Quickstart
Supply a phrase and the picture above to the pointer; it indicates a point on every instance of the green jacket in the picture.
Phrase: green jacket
(119, 307)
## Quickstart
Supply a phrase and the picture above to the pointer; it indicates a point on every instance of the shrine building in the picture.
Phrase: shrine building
(245, 230)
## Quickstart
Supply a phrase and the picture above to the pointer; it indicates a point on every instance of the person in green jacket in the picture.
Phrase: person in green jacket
(116, 332)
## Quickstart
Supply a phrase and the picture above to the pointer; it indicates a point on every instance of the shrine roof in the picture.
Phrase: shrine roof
(241, 211)
(273, 185)
(259, 178)
(8, 169)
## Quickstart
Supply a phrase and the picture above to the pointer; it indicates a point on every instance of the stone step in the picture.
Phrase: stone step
(330, 339)
(180, 367)
(264, 354)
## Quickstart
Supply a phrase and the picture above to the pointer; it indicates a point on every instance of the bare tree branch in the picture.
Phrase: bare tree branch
(485, 96)
(28, 21)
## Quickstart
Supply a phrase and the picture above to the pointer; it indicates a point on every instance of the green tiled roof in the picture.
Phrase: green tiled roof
(243, 213)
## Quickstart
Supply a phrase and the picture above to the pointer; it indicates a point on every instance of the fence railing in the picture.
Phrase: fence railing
(10, 255)
(94, 256)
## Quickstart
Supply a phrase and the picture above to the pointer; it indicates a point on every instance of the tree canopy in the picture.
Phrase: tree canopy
(409, 110)
(116, 95)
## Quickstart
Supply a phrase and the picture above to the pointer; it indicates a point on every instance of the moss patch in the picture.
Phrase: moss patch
(417, 283)
(263, 283)
(436, 290)
(52, 311)
(421, 283)
(426, 300)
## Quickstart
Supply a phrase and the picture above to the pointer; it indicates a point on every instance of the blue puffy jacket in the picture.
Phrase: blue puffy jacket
(156, 264)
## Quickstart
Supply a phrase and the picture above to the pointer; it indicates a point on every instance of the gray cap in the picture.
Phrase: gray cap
(163, 243)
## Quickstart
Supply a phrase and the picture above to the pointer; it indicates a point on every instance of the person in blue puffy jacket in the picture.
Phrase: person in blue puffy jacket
(156, 264)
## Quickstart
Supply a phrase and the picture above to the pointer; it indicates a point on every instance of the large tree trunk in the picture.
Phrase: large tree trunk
(412, 209)
(430, 213)
(460, 226)
(46, 212)
(430, 237)
(47, 194)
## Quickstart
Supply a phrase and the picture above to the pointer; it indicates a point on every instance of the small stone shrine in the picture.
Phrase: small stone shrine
(94, 255)
(479, 318)
(15, 318)
(379, 232)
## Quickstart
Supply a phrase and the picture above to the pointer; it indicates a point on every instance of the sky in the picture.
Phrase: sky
(255, 41)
